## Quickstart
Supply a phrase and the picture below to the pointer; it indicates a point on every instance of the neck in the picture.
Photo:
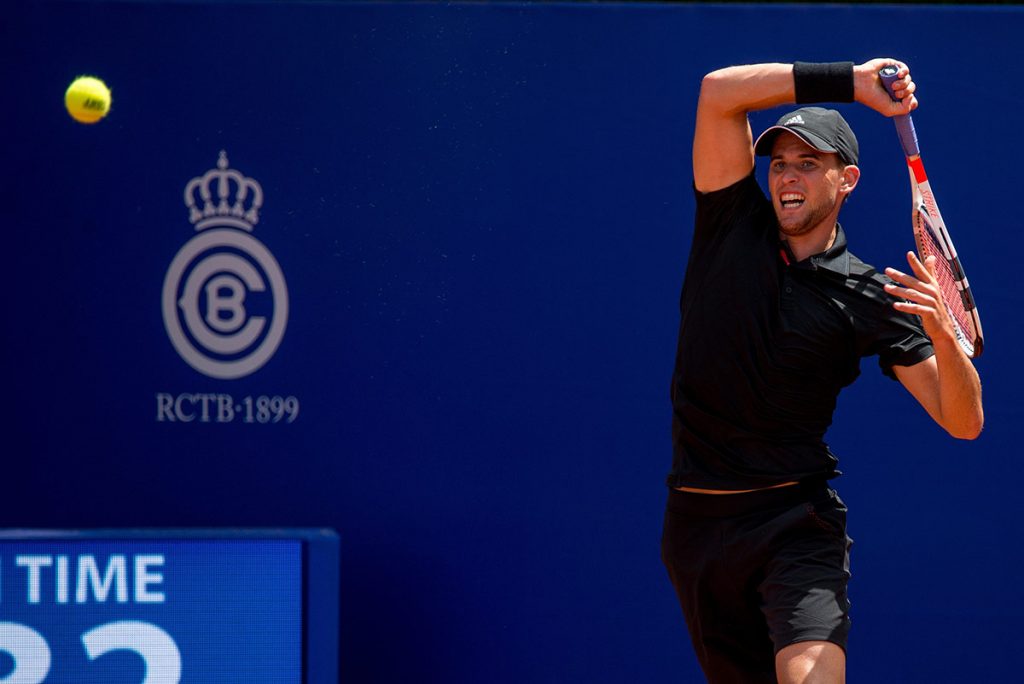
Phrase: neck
(814, 242)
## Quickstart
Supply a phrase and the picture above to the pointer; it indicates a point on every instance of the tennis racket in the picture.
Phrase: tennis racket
(933, 239)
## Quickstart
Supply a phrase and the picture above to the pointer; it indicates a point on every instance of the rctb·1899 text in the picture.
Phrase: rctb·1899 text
(222, 408)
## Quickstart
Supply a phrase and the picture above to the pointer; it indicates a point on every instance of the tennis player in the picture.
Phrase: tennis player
(776, 314)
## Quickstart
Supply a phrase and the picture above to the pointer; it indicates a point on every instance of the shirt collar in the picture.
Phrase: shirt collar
(835, 258)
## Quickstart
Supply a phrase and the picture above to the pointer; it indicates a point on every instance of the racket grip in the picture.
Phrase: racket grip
(904, 124)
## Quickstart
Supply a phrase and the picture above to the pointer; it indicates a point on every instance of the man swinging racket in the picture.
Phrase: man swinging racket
(776, 314)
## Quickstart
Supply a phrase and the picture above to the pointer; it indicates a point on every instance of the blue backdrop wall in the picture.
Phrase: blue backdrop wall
(477, 218)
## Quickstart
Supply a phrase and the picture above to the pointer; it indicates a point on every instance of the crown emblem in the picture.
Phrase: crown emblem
(235, 202)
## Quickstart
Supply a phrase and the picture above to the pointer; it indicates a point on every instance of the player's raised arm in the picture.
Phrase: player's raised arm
(723, 147)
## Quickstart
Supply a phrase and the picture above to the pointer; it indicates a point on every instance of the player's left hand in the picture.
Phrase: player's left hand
(923, 297)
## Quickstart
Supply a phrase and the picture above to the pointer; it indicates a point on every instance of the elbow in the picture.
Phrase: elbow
(714, 84)
(969, 428)
(717, 95)
(728, 92)
(713, 78)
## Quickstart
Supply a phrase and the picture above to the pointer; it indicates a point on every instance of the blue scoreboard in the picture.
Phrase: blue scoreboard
(168, 606)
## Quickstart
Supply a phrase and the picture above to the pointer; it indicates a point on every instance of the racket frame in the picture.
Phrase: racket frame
(927, 219)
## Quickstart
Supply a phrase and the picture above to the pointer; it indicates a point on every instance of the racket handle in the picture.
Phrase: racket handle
(904, 124)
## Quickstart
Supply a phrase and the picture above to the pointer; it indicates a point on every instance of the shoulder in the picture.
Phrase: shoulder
(722, 212)
(865, 294)
(866, 277)
(747, 185)
(896, 337)
(741, 198)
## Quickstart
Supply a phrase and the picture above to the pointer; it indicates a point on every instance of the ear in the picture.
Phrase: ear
(848, 177)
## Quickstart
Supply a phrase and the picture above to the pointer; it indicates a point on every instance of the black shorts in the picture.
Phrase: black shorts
(757, 572)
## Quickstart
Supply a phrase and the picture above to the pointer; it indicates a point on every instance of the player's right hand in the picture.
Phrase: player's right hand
(869, 91)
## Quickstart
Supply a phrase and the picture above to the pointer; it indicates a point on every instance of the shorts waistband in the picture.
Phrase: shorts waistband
(724, 505)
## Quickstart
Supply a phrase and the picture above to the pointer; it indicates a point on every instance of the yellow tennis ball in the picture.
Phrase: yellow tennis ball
(87, 99)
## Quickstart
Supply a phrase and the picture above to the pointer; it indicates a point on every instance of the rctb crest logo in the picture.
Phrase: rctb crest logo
(225, 302)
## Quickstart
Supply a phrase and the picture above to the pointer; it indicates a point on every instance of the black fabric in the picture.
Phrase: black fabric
(823, 82)
(823, 129)
(757, 572)
(764, 348)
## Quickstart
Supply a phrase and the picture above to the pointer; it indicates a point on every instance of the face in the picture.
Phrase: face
(807, 186)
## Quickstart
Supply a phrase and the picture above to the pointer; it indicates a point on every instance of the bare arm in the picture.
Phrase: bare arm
(723, 147)
(946, 385)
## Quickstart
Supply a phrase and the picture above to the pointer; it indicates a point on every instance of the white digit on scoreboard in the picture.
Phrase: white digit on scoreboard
(31, 653)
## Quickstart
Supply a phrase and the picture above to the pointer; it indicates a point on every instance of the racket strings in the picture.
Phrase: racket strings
(947, 280)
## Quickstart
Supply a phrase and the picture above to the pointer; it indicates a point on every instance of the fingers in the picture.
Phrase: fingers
(910, 294)
(903, 80)
(872, 93)
(905, 93)
(912, 308)
(877, 64)
(925, 272)
(904, 88)
(919, 295)
(921, 289)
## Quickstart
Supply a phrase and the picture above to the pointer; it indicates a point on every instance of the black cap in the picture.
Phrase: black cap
(823, 129)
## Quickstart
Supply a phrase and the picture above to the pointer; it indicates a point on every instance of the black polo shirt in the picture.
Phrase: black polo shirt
(766, 343)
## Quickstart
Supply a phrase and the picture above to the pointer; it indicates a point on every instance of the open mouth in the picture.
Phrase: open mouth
(791, 200)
